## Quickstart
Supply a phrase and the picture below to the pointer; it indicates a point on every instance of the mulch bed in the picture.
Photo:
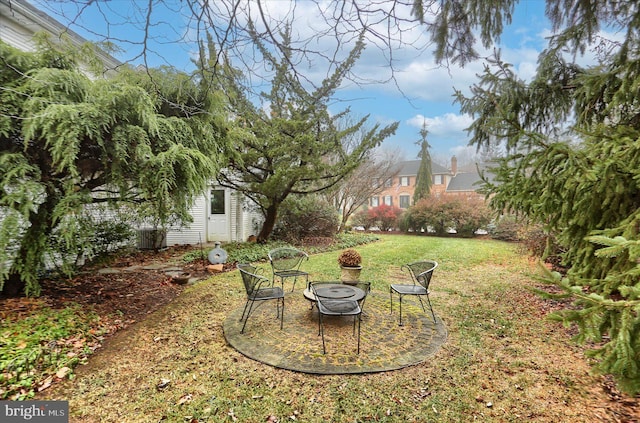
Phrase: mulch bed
(124, 297)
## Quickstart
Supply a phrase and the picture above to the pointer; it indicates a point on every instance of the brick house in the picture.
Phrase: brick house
(461, 183)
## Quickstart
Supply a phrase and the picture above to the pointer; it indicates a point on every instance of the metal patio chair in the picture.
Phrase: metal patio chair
(286, 262)
(421, 272)
(259, 288)
(337, 307)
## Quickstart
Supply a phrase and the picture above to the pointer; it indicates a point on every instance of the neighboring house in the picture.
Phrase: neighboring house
(219, 214)
(399, 190)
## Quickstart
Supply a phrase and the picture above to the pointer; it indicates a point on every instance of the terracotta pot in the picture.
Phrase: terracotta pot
(350, 275)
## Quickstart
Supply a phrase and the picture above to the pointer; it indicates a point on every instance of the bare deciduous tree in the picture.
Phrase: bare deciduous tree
(160, 31)
(365, 182)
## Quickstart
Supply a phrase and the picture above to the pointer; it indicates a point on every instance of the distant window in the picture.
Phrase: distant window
(405, 201)
(404, 181)
(217, 201)
(388, 183)
(375, 201)
(388, 200)
(437, 179)
(375, 182)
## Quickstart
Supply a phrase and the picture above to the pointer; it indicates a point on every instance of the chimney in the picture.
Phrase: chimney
(454, 165)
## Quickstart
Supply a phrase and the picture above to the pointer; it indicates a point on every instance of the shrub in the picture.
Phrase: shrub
(303, 217)
(384, 217)
(434, 214)
(440, 214)
(469, 216)
(362, 218)
(506, 228)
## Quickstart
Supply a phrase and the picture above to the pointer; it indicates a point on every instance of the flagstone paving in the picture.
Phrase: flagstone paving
(384, 345)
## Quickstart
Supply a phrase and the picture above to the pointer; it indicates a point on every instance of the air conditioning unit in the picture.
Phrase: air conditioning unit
(151, 239)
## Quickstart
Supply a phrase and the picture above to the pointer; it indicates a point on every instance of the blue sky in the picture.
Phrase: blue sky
(427, 88)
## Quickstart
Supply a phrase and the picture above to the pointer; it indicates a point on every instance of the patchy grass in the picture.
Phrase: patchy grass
(503, 360)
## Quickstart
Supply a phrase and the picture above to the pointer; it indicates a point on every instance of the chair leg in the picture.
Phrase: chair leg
(244, 310)
(358, 334)
(421, 303)
(246, 319)
(431, 308)
(400, 295)
(282, 314)
(321, 331)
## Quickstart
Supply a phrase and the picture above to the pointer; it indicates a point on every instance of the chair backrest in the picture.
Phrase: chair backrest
(287, 258)
(335, 306)
(250, 278)
(421, 271)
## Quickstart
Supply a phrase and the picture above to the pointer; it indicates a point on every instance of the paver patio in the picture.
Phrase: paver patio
(384, 346)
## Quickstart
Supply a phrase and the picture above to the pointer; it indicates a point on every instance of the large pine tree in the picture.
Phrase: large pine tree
(573, 164)
(424, 178)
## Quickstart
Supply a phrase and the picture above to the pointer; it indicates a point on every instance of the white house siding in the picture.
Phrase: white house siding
(240, 222)
(19, 21)
(197, 230)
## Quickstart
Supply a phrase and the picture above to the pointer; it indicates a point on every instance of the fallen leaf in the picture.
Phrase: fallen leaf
(163, 384)
(45, 384)
(185, 399)
(63, 372)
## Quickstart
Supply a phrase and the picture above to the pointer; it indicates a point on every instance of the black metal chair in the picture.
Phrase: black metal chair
(259, 288)
(366, 287)
(286, 262)
(421, 272)
(328, 306)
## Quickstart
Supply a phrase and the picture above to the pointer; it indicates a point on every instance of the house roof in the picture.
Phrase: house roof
(464, 182)
(410, 168)
(469, 179)
(19, 21)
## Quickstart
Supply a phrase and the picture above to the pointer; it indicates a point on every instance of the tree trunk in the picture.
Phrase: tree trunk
(13, 286)
(269, 223)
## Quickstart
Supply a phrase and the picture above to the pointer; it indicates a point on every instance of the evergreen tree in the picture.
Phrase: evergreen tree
(296, 146)
(424, 178)
(572, 136)
(68, 141)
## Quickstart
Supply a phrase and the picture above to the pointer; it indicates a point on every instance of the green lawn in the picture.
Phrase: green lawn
(503, 360)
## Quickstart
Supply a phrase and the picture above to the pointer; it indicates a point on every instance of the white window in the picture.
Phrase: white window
(388, 200)
(405, 201)
(375, 201)
(404, 181)
(437, 179)
(388, 183)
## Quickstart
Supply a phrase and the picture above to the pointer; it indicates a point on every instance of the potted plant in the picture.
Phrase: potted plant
(350, 264)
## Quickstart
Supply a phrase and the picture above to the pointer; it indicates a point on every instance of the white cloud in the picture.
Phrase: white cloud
(447, 125)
